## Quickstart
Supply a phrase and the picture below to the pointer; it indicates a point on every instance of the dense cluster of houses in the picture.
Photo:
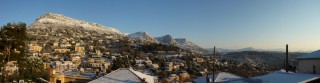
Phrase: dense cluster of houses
(88, 58)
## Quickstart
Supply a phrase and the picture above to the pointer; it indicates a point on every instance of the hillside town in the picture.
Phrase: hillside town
(67, 50)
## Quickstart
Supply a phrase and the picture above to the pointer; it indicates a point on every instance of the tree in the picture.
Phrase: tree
(13, 39)
(120, 62)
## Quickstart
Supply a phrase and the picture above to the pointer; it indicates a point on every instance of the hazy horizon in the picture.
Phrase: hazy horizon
(230, 24)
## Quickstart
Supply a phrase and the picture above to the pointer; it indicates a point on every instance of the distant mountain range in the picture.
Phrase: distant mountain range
(167, 40)
(223, 50)
(243, 49)
(58, 22)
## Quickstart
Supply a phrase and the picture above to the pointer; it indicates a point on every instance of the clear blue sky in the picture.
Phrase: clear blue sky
(224, 23)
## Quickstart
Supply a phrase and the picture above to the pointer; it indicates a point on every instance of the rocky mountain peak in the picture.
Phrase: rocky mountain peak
(166, 39)
(52, 16)
(181, 40)
(144, 36)
(60, 21)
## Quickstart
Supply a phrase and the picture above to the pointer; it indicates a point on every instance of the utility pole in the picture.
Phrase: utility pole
(214, 58)
(207, 72)
(287, 57)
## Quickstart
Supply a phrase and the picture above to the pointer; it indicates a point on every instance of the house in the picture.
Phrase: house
(76, 61)
(46, 65)
(73, 42)
(154, 66)
(281, 77)
(98, 63)
(95, 65)
(100, 41)
(169, 66)
(55, 44)
(62, 66)
(95, 55)
(79, 48)
(148, 62)
(107, 53)
(90, 60)
(139, 61)
(77, 44)
(184, 76)
(199, 60)
(35, 48)
(91, 47)
(142, 61)
(219, 77)
(140, 65)
(105, 66)
(34, 54)
(62, 50)
(176, 66)
(65, 45)
(70, 77)
(80, 54)
(309, 63)
(46, 55)
(173, 78)
(125, 75)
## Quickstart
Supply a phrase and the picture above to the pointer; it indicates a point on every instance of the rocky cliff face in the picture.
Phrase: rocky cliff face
(167, 39)
(143, 36)
(184, 43)
(51, 20)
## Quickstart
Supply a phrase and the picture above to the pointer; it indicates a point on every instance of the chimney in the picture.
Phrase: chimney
(287, 56)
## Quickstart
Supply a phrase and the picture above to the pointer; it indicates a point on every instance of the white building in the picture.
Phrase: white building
(309, 63)
(281, 77)
(62, 66)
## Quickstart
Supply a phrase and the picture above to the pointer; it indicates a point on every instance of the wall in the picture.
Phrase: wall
(306, 66)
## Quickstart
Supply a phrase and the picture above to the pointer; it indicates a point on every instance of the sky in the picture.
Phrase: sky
(231, 24)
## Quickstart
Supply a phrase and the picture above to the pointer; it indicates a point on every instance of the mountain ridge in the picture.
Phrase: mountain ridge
(77, 28)
(52, 20)
(143, 36)
(244, 49)
(166, 39)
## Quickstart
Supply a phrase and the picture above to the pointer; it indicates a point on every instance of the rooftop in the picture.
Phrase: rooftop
(124, 75)
(220, 77)
(313, 55)
(280, 77)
